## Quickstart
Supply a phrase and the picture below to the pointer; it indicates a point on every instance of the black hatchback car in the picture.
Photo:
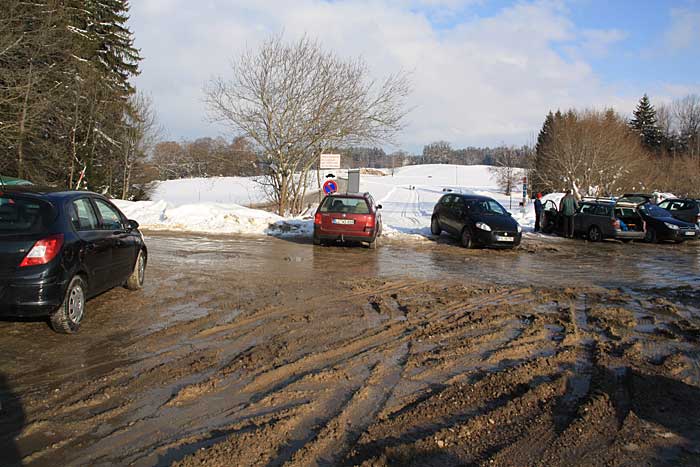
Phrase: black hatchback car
(57, 249)
(475, 220)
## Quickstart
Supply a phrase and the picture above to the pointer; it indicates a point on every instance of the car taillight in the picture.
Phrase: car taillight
(43, 251)
(317, 218)
(369, 222)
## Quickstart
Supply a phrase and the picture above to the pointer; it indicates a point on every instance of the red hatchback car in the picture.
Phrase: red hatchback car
(348, 217)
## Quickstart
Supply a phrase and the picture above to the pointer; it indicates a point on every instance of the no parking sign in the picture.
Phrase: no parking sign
(330, 187)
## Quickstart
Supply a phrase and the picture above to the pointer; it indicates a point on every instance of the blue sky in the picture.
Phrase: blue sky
(485, 72)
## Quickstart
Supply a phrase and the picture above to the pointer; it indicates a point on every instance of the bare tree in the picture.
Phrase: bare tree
(592, 153)
(140, 137)
(506, 169)
(687, 113)
(294, 100)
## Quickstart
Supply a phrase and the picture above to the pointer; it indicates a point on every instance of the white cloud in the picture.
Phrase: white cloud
(684, 31)
(485, 81)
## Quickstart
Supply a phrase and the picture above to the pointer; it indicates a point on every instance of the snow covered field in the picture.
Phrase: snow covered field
(216, 205)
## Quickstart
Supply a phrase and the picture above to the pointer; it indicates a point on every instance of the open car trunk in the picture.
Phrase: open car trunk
(628, 214)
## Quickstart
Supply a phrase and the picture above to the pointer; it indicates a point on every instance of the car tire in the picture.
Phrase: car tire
(317, 240)
(650, 236)
(594, 234)
(373, 245)
(435, 227)
(466, 238)
(138, 275)
(66, 318)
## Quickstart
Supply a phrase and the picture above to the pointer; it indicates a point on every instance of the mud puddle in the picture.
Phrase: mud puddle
(250, 351)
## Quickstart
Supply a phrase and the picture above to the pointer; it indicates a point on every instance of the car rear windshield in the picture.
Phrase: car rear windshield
(19, 215)
(345, 205)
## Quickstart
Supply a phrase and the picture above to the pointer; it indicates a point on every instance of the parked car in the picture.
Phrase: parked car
(348, 217)
(58, 249)
(475, 220)
(662, 226)
(686, 209)
(598, 219)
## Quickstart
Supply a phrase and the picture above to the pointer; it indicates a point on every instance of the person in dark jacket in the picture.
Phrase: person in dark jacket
(567, 208)
(538, 212)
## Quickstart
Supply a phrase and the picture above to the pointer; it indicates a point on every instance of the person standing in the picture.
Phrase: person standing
(538, 212)
(567, 208)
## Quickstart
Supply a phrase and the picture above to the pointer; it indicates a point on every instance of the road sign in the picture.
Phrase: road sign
(330, 187)
(330, 161)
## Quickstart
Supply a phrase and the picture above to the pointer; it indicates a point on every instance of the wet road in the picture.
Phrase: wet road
(146, 379)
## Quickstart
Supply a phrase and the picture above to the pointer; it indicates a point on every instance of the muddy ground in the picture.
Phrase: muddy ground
(260, 351)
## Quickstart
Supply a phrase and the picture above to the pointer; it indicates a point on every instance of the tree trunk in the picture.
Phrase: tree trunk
(22, 125)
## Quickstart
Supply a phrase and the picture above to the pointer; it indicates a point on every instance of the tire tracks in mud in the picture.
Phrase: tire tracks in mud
(392, 372)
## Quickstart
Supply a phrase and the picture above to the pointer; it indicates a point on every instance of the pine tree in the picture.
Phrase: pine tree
(645, 124)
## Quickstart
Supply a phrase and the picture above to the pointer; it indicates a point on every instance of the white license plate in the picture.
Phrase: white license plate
(344, 221)
(504, 239)
(690, 234)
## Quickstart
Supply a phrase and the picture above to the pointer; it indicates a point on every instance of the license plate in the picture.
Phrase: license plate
(690, 234)
(504, 239)
(344, 221)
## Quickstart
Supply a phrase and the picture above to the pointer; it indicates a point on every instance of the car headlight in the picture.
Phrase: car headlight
(483, 226)
(520, 229)
(671, 226)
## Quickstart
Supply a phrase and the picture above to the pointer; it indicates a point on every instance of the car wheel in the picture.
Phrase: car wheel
(317, 240)
(466, 238)
(435, 227)
(66, 319)
(594, 234)
(375, 244)
(138, 275)
(650, 236)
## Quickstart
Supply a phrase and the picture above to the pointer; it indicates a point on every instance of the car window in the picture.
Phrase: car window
(602, 210)
(111, 220)
(345, 205)
(490, 207)
(82, 215)
(664, 204)
(23, 215)
(586, 209)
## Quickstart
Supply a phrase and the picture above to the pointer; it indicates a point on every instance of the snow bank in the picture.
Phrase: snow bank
(243, 191)
(211, 218)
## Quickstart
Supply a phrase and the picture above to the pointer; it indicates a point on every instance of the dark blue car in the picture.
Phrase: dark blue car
(58, 249)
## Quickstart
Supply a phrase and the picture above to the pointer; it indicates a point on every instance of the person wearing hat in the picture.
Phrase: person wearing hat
(538, 212)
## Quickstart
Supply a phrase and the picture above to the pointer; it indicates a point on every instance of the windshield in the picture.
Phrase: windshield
(346, 205)
(23, 215)
(653, 210)
(490, 207)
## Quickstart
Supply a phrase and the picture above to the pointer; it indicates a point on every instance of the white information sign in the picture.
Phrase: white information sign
(330, 161)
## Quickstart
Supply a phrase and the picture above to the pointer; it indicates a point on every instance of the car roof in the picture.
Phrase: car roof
(45, 192)
(350, 195)
(473, 197)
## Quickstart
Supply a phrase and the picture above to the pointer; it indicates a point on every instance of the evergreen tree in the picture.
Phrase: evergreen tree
(645, 124)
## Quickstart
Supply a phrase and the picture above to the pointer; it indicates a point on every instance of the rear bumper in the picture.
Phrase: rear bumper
(31, 298)
(347, 236)
(485, 238)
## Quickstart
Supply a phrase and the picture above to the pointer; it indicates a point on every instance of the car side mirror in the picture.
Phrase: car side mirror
(132, 224)
(379, 206)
